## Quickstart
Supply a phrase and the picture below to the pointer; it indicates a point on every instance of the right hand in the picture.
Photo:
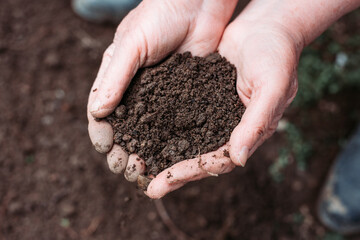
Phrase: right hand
(147, 35)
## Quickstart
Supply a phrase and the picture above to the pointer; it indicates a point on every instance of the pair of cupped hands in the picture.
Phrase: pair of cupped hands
(263, 50)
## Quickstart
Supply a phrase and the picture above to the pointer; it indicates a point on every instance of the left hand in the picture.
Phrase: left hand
(266, 55)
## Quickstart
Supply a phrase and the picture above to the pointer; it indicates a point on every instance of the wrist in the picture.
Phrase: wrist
(304, 20)
(221, 10)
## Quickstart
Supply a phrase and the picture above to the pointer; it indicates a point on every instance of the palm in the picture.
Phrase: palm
(266, 60)
(257, 53)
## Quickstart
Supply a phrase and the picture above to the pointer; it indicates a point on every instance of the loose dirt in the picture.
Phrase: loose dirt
(178, 109)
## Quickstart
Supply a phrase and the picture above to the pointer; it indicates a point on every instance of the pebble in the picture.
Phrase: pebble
(120, 112)
(15, 208)
(67, 209)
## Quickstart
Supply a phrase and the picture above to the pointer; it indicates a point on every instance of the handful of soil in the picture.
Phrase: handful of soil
(178, 109)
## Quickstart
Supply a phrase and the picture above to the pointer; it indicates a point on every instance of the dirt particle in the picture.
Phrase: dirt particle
(126, 137)
(120, 112)
(140, 108)
(115, 165)
(183, 145)
(169, 175)
(149, 117)
(222, 141)
(131, 146)
(143, 182)
(226, 153)
(15, 208)
(201, 119)
(67, 209)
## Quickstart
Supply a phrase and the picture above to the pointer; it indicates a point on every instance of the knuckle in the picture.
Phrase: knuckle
(260, 131)
(293, 90)
(109, 52)
(120, 31)
(124, 29)
(117, 35)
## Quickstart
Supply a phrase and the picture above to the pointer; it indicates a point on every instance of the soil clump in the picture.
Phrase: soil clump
(178, 109)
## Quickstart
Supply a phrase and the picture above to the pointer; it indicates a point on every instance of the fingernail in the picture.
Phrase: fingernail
(242, 156)
(95, 106)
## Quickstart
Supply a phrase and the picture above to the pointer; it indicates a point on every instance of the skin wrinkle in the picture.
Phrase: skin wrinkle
(158, 52)
(270, 129)
(243, 88)
(293, 89)
(199, 27)
(268, 66)
(142, 50)
(241, 78)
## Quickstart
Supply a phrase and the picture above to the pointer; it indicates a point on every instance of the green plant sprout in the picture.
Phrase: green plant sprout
(297, 147)
(320, 75)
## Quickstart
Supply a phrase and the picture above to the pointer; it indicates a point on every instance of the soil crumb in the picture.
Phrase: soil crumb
(178, 109)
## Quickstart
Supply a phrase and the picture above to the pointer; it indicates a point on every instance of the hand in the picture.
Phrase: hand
(264, 43)
(148, 34)
(266, 55)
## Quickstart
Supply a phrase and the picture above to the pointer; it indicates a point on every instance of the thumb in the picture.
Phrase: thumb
(257, 124)
(124, 63)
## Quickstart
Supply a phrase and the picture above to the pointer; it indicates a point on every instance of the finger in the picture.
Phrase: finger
(157, 191)
(106, 59)
(257, 124)
(101, 135)
(122, 67)
(209, 164)
(117, 159)
(134, 168)
(100, 132)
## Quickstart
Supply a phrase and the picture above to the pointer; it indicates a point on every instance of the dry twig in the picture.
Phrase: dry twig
(180, 235)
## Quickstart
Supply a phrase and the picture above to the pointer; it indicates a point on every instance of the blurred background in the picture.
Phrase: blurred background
(53, 185)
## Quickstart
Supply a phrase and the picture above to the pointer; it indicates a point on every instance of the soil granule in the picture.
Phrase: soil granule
(179, 109)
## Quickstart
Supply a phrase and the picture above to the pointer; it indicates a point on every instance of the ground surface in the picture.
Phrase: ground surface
(53, 185)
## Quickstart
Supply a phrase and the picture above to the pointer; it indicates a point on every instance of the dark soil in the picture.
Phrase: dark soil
(53, 184)
(179, 109)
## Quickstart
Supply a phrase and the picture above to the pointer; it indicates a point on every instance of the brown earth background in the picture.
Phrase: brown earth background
(53, 185)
